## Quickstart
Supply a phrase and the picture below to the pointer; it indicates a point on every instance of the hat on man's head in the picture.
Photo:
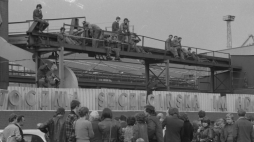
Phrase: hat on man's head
(38, 5)
(126, 19)
(60, 110)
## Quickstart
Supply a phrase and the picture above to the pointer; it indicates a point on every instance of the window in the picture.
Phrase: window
(32, 138)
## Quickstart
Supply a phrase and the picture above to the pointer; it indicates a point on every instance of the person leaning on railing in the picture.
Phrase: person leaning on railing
(95, 31)
(37, 16)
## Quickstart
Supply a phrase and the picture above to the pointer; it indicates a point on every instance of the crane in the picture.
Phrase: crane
(250, 36)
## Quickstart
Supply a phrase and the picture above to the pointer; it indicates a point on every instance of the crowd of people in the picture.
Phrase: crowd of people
(148, 126)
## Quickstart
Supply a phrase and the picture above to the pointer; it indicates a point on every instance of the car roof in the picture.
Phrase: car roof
(32, 132)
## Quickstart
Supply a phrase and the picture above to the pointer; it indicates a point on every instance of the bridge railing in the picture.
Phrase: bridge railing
(54, 25)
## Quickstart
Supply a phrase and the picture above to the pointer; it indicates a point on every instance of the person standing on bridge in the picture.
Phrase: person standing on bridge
(124, 29)
(95, 31)
(115, 25)
(37, 16)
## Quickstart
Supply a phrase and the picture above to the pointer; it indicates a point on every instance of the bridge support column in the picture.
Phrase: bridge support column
(147, 78)
(212, 80)
(231, 85)
(37, 65)
(167, 74)
(61, 67)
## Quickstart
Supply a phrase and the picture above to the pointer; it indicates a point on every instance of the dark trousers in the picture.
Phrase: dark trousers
(96, 35)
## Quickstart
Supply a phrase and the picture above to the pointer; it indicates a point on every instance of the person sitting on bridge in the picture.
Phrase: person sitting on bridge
(112, 45)
(62, 37)
(177, 45)
(95, 31)
(115, 25)
(189, 55)
(37, 16)
(124, 30)
(133, 42)
(170, 48)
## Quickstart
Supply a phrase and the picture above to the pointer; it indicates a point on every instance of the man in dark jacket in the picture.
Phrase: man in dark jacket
(55, 127)
(115, 25)
(174, 126)
(243, 129)
(37, 16)
(94, 119)
(154, 129)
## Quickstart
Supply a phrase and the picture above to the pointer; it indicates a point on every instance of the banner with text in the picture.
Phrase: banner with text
(21, 98)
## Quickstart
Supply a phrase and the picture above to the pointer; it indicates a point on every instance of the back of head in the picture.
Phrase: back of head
(83, 111)
(131, 121)
(60, 111)
(184, 117)
(140, 140)
(150, 110)
(173, 111)
(106, 113)
(140, 117)
(12, 117)
(123, 118)
(160, 116)
(241, 112)
(94, 115)
(201, 114)
(74, 104)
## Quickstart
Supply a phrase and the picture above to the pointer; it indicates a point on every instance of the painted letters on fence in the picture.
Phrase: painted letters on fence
(20, 98)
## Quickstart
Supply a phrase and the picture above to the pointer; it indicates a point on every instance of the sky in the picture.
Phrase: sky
(199, 22)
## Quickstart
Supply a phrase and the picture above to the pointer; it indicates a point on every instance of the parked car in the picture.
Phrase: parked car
(30, 135)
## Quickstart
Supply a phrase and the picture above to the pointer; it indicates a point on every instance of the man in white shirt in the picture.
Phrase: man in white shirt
(12, 131)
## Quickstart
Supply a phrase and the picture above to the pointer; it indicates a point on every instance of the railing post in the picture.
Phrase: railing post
(61, 67)
(167, 75)
(28, 24)
(143, 41)
(47, 27)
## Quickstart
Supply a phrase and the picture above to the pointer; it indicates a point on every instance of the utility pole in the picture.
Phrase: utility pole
(229, 19)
